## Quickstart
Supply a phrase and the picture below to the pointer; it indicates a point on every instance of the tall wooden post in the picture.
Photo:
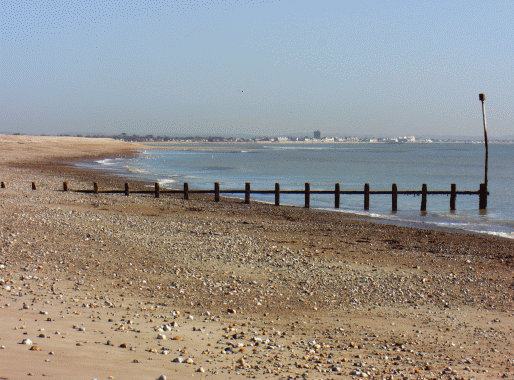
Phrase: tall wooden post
(95, 187)
(216, 191)
(481, 97)
(366, 196)
(186, 191)
(157, 191)
(34, 187)
(453, 196)
(277, 194)
(65, 186)
(247, 192)
(337, 195)
(127, 189)
(394, 198)
(307, 195)
(424, 193)
(483, 192)
(482, 196)
(2, 185)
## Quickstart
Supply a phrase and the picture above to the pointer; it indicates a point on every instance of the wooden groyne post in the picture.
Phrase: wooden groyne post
(65, 186)
(453, 196)
(186, 191)
(424, 192)
(277, 194)
(216, 191)
(127, 189)
(337, 195)
(307, 195)
(157, 190)
(394, 197)
(366, 196)
(482, 196)
(247, 192)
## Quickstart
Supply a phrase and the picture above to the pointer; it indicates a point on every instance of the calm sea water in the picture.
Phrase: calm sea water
(351, 165)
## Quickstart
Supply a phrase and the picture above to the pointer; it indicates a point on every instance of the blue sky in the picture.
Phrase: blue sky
(256, 67)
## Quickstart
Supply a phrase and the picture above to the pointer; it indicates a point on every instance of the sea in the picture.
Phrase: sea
(409, 165)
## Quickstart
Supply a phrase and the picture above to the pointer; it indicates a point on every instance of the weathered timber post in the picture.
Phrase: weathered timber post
(127, 189)
(482, 196)
(366, 196)
(481, 97)
(216, 191)
(277, 194)
(394, 198)
(453, 197)
(34, 187)
(95, 187)
(424, 193)
(307, 195)
(65, 186)
(337, 195)
(247, 192)
(186, 191)
(3, 185)
(157, 190)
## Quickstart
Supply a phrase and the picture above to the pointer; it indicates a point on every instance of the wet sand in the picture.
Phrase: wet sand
(109, 286)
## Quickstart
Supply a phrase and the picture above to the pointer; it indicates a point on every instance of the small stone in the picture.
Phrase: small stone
(162, 377)
(180, 359)
(27, 342)
(161, 336)
(35, 348)
(201, 369)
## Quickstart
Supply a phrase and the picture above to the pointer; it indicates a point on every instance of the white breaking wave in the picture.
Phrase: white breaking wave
(107, 161)
(165, 182)
(135, 170)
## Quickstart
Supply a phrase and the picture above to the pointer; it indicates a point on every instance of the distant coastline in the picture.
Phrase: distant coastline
(287, 140)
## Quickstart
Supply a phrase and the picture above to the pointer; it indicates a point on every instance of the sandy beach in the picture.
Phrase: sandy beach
(105, 286)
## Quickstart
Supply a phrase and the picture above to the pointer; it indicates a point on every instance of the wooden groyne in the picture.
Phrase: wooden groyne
(307, 191)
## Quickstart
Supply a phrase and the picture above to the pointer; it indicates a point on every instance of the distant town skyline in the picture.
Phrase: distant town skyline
(193, 67)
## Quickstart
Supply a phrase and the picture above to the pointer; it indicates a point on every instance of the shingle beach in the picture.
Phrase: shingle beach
(105, 286)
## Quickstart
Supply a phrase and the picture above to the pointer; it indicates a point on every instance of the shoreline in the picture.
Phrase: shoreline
(402, 218)
(241, 291)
